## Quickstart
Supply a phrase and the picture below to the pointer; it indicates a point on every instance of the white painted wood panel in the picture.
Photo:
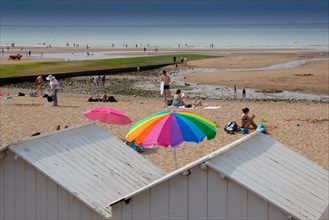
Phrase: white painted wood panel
(126, 210)
(116, 211)
(63, 204)
(74, 207)
(178, 197)
(96, 216)
(85, 212)
(2, 196)
(9, 191)
(51, 200)
(19, 188)
(237, 201)
(197, 194)
(257, 207)
(160, 201)
(276, 214)
(41, 196)
(141, 206)
(30, 191)
(217, 196)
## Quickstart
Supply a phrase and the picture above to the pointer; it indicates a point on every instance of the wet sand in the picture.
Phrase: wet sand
(312, 77)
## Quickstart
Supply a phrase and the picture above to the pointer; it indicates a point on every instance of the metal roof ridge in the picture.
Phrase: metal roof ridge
(50, 133)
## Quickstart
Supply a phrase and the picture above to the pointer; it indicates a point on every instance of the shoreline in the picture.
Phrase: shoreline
(145, 84)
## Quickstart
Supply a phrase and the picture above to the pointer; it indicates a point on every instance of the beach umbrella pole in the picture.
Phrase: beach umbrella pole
(175, 158)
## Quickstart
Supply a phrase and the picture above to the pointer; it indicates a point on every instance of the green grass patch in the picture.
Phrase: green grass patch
(27, 69)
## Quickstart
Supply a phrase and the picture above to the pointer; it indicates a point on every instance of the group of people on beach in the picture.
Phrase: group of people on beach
(177, 101)
(52, 91)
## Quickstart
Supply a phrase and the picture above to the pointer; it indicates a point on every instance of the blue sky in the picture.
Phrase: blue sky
(155, 12)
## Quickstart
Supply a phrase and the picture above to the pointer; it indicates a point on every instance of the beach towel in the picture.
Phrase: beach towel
(212, 107)
(161, 87)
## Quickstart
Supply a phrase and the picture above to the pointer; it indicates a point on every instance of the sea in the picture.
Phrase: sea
(313, 36)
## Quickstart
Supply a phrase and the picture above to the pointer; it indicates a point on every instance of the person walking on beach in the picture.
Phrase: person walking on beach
(244, 93)
(166, 80)
(39, 82)
(97, 80)
(54, 86)
(234, 91)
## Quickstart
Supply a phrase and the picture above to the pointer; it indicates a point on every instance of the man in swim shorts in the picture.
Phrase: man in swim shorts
(166, 80)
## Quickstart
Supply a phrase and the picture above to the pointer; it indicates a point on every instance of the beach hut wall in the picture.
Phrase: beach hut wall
(255, 177)
(73, 173)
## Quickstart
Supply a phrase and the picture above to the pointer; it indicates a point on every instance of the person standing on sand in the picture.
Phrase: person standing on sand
(39, 82)
(244, 93)
(234, 91)
(54, 86)
(166, 80)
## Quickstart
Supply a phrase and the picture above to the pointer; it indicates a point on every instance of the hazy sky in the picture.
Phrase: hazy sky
(134, 12)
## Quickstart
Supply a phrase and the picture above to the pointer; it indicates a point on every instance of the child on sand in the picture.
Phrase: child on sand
(246, 120)
(39, 81)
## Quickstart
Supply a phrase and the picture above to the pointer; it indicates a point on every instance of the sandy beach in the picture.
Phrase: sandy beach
(302, 125)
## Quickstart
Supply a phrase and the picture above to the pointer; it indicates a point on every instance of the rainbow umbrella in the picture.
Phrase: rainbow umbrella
(171, 128)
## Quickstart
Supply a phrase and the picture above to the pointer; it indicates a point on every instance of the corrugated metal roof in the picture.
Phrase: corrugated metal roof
(90, 163)
(272, 171)
(279, 175)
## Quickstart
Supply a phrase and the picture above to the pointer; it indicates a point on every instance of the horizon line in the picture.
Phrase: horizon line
(290, 23)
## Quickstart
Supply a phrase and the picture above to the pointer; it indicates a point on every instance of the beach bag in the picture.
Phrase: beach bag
(33, 94)
(50, 99)
(231, 127)
(112, 99)
(261, 127)
(21, 94)
(244, 130)
(169, 101)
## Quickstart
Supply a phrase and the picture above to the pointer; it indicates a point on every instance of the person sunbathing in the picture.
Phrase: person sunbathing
(246, 120)
(104, 98)
(178, 101)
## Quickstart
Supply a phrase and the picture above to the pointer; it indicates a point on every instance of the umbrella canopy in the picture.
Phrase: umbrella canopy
(107, 115)
(171, 128)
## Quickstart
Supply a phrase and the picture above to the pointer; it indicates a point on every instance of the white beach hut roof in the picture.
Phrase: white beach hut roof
(282, 177)
(89, 162)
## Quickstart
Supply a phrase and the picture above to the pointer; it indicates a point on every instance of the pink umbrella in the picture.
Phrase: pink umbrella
(108, 115)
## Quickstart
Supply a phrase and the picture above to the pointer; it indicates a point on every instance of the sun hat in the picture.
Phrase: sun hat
(50, 77)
